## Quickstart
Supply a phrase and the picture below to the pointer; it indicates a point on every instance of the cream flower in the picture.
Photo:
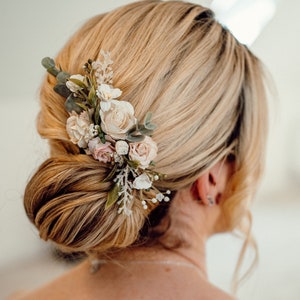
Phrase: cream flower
(142, 182)
(100, 151)
(118, 119)
(143, 152)
(80, 129)
(72, 86)
(122, 147)
(106, 92)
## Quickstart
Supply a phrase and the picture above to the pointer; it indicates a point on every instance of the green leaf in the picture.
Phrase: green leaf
(78, 82)
(133, 163)
(150, 126)
(135, 138)
(62, 77)
(92, 96)
(102, 137)
(48, 63)
(97, 114)
(71, 105)
(111, 174)
(62, 90)
(145, 131)
(113, 196)
(152, 164)
(80, 104)
(134, 135)
(147, 122)
(132, 130)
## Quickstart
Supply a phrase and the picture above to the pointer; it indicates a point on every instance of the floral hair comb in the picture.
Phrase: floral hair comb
(107, 129)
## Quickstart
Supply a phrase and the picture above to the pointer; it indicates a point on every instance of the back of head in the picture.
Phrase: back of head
(206, 92)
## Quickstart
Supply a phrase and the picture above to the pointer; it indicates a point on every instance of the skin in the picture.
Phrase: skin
(192, 219)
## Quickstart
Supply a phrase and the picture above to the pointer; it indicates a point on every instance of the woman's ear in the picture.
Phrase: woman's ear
(210, 186)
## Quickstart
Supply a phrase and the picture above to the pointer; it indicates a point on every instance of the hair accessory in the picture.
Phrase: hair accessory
(107, 129)
(210, 200)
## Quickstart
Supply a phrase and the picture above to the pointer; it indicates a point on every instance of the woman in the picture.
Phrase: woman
(142, 195)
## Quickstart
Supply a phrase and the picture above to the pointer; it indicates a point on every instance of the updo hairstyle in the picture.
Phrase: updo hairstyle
(206, 92)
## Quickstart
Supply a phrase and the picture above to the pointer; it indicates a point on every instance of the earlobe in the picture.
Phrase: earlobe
(203, 187)
(210, 186)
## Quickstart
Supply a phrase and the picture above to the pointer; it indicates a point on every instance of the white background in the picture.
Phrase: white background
(33, 29)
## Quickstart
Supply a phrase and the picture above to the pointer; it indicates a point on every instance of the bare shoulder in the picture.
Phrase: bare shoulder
(215, 293)
(132, 282)
(204, 290)
(63, 287)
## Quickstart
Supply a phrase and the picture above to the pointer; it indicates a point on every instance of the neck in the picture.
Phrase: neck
(156, 256)
(189, 225)
(185, 229)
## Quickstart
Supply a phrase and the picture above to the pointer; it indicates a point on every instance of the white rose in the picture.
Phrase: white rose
(72, 86)
(80, 129)
(142, 182)
(143, 152)
(106, 92)
(118, 119)
(122, 147)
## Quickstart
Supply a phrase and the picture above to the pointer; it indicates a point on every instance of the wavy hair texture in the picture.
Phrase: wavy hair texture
(207, 94)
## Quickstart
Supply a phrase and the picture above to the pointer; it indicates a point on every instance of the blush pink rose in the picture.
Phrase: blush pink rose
(100, 151)
(143, 152)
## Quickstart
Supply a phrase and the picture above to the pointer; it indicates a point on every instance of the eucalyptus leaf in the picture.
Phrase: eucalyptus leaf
(48, 63)
(150, 126)
(53, 71)
(112, 196)
(147, 122)
(145, 131)
(148, 117)
(102, 137)
(62, 77)
(135, 138)
(62, 90)
(71, 105)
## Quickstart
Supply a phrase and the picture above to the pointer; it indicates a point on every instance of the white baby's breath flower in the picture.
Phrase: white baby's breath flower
(96, 64)
(80, 129)
(122, 147)
(106, 92)
(143, 152)
(160, 197)
(72, 86)
(142, 182)
(118, 119)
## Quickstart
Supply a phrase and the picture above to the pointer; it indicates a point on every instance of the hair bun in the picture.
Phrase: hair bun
(65, 199)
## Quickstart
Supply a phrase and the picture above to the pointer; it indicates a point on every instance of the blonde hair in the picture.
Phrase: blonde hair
(207, 95)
